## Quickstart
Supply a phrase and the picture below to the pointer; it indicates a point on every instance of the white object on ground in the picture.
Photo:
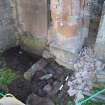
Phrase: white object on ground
(10, 100)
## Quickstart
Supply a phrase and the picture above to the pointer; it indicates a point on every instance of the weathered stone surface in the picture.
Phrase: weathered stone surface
(100, 41)
(32, 43)
(70, 20)
(37, 66)
(32, 19)
(95, 15)
(7, 30)
(96, 7)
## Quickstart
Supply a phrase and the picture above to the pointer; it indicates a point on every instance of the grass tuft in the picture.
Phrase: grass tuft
(7, 76)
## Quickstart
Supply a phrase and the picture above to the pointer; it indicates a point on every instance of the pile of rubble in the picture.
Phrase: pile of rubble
(49, 81)
(48, 78)
(45, 81)
(86, 68)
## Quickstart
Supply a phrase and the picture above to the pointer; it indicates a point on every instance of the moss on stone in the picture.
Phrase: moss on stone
(33, 43)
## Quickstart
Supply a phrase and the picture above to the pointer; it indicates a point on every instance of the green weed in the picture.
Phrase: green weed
(7, 76)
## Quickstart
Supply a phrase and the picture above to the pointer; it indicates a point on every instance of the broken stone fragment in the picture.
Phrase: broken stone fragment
(47, 88)
(84, 74)
(72, 92)
(46, 77)
(35, 67)
(47, 54)
(56, 87)
(38, 86)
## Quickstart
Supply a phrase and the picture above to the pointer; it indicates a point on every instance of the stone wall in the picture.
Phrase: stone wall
(7, 28)
(70, 24)
(95, 15)
(100, 41)
(31, 19)
(25, 23)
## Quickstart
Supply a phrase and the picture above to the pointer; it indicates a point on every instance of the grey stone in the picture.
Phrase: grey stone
(7, 29)
(47, 76)
(35, 67)
(32, 24)
(47, 88)
(100, 41)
